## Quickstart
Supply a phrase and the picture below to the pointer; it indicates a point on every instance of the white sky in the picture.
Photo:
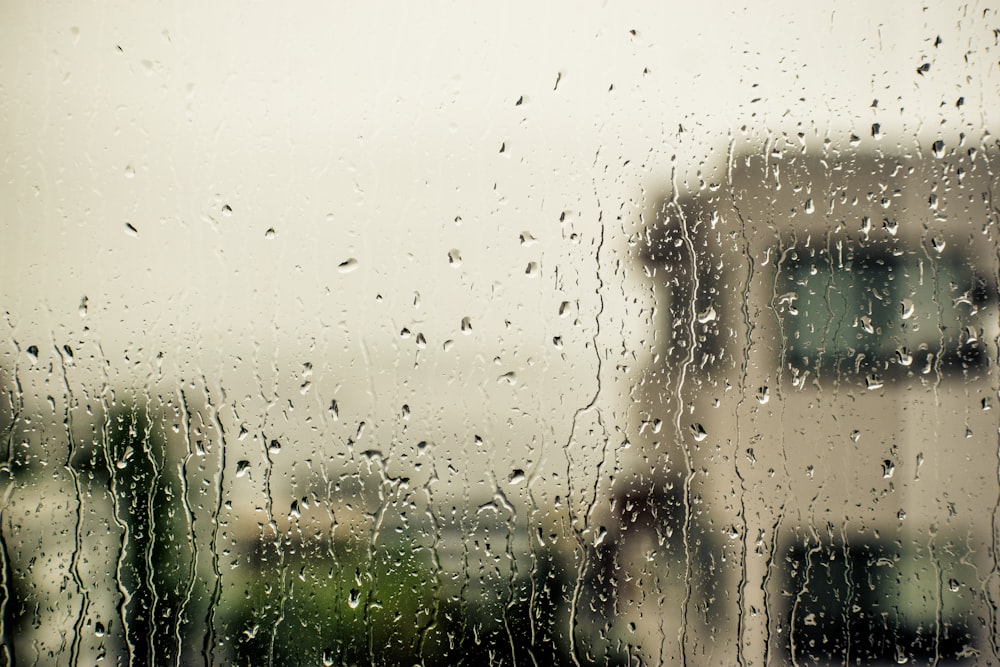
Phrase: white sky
(364, 131)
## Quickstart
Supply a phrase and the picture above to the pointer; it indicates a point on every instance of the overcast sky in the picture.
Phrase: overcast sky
(200, 173)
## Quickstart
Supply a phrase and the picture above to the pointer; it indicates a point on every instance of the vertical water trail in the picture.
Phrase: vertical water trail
(994, 574)
(806, 577)
(7, 582)
(692, 317)
(74, 566)
(501, 498)
(148, 556)
(189, 521)
(272, 524)
(743, 389)
(209, 645)
(779, 262)
(432, 617)
(578, 532)
(938, 596)
(6, 590)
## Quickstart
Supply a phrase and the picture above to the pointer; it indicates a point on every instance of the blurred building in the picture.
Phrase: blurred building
(824, 393)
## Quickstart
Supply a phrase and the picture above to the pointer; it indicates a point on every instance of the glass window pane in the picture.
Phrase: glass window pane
(570, 334)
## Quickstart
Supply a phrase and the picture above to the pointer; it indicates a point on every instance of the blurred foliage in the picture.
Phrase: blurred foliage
(383, 611)
(343, 601)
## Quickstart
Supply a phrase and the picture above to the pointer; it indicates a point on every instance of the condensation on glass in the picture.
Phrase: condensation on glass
(513, 336)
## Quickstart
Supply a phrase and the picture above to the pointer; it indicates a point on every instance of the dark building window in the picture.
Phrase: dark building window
(853, 311)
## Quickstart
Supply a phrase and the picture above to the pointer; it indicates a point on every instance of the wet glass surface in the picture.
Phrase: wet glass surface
(435, 335)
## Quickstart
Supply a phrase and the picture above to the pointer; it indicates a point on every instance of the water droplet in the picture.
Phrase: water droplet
(327, 659)
(906, 309)
(888, 468)
(903, 356)
(99, 629)
(986, 404)
(130, 230)
(602, 533)
(809, 206)
(334, 410)
(763, 395)
(698, 431)
(83, 307)
(348, 265)
(938, 244)
(354, 599)
(527, 239)
(558, 342)
(707, 315)
(953, 585)
(509, 377)
(466, 325)
(563, 308)
(242, 467)
(122, 463)
(873, 381)
(227, 210)
(516, 476)
(901, 515)
(32, 352)
(269, 234)
(876, 131)
(938, 148)
(455, 257)
(866, 324)
(657, 425)
(531, 269)
(129, 171)
(274, 447)
(294, 510)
